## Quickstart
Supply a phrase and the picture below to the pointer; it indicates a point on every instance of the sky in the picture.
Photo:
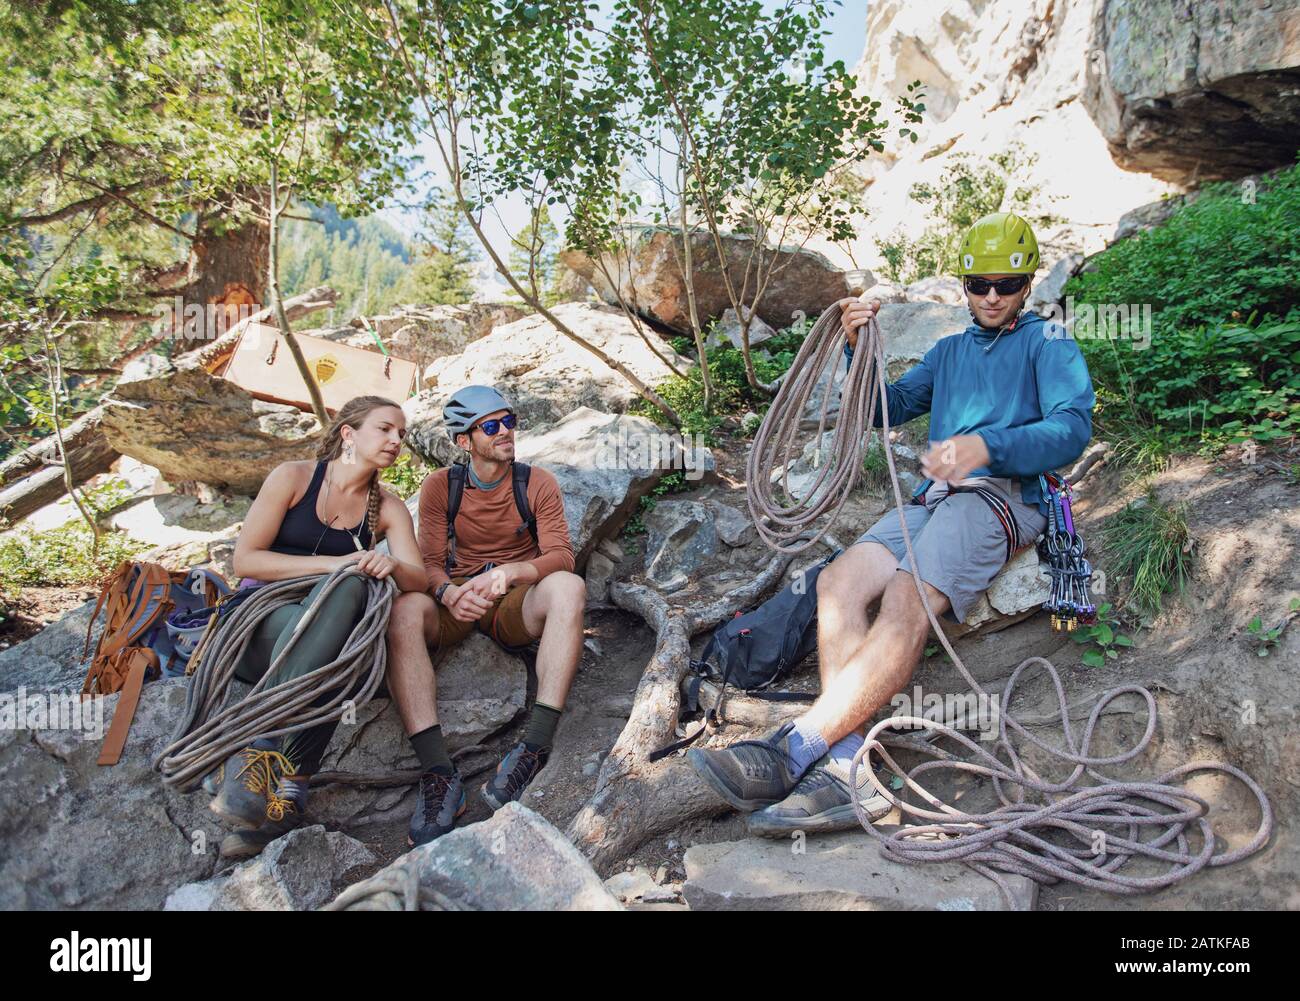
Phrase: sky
(847, 25)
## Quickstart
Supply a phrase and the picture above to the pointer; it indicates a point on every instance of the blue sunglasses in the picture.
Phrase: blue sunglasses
(490, 428)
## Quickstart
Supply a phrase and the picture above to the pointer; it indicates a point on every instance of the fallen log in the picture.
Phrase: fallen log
(29, 479)
(636, 799)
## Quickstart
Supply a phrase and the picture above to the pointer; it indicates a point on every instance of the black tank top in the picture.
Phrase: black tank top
(302, 532)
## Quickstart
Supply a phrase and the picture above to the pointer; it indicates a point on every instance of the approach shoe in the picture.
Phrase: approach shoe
(749, 774)
(247, 782)
(284, 810)
(441, 801)
(518, 768)
(821, 802)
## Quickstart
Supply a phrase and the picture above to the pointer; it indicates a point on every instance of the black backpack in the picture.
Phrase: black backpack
(758, 649)
(456, 476)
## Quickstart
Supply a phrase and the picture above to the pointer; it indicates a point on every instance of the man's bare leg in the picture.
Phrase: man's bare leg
(412, 629)
(553, 609)
(845, 589)
(881, 665)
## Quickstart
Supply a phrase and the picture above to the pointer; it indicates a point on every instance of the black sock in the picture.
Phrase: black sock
(431, 749)
(540, 728)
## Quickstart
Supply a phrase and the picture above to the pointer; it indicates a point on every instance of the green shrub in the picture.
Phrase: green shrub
(405, 475)
(1148, 548)
(62, 557)
(1223, 359)
(731, 390)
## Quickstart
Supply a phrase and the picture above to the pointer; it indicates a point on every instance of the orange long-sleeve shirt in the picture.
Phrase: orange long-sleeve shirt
(486, 527)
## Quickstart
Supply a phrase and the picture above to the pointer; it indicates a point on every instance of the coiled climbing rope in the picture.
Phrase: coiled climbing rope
(1075, 831)
(213, 728)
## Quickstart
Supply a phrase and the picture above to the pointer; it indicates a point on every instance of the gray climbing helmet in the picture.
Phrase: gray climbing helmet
(469, 405)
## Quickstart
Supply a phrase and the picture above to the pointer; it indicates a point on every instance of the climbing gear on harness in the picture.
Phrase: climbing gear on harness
(1000, 243)
(214, 726)
(456, 474)
(1062, 549)
(468, 405)
(138, 643)
(1022, 835)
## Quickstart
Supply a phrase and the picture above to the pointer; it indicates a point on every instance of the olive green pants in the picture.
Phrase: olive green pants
(325, 635)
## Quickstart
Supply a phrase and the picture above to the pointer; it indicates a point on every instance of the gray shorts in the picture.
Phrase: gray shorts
(960, 544)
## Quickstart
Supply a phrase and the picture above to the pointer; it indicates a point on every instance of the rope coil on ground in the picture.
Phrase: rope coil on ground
(211, 728)
(1097, 827)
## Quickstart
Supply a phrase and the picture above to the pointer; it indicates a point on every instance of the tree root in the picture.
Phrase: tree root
(634, 798)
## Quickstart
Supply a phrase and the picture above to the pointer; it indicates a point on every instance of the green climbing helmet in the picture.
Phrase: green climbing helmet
(998, 244)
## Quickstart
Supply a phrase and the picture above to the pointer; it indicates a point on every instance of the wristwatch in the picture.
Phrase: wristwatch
(437, 595)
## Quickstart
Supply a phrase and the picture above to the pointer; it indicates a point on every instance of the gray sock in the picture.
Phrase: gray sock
(806, 746)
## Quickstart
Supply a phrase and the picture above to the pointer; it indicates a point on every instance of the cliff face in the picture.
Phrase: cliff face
(1197, 91)
(1174, 91)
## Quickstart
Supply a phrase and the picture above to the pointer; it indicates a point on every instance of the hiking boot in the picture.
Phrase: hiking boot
(750, 773)
(518, 768)
(442, 800)
(247, 780)
(820, 802)
(283, 811)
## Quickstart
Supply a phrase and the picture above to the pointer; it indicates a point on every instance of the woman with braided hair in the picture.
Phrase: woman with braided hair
(312, 518)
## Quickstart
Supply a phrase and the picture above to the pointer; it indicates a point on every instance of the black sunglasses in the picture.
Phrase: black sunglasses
(1005, 286)
(490, 428)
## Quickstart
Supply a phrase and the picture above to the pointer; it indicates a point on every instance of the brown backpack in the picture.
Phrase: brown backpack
(136, 601)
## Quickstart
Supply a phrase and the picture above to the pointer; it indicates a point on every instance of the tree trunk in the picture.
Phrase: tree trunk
(228, 270)
(88, 451)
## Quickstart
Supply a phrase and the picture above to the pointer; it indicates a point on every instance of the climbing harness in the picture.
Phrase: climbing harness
(1062, 549)
(1045, 829)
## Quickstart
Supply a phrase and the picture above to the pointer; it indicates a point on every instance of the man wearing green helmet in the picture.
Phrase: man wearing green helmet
(1009, 399)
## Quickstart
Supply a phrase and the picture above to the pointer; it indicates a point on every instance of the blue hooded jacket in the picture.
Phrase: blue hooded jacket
(1027, 393)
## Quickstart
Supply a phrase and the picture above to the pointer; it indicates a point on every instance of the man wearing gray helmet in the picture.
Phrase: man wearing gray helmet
(505, 565)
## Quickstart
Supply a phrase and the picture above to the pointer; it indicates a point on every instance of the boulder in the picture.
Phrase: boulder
(77, 836)
(910, 329)
(1196, 91)
(680, 536)
(649, 278)
(513, 861)
(52, 659)
(80, 836)
(423, 334)
(942, 288)
(727, 331)
(886, 292)
(168, 519)
(839, 872)
(301, 871)
(1017, 592)
(544, 374)
(599, 568)
(1048, 293)
(193, 425)
(604, 464)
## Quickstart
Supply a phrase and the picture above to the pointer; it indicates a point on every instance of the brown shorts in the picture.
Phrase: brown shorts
(503, 621)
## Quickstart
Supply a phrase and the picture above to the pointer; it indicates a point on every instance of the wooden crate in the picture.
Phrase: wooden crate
(263, 365)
